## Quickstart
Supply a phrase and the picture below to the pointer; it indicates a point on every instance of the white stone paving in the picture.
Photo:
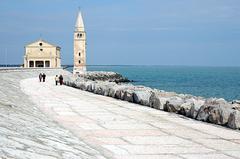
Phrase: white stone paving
(26, 132)
(125, 130)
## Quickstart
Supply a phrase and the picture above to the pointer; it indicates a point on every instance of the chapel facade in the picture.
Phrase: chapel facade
(42, 54)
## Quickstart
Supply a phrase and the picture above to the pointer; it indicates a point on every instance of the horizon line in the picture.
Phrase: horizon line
(9, 65)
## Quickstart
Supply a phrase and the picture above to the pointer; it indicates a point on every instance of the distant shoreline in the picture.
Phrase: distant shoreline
(202, 66)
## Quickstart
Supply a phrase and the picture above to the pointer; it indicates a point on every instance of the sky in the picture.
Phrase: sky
(127, 32)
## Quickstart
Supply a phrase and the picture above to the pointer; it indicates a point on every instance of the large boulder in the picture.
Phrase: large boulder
(217, 101)
(159, 98)
(236, 106)
(119, 94)
(197, 104)
(81, 85)
(217, 109)
(98, 89)
(173, 104)
(234, 120)
(104, 90)
(142, 97)
(77, 84)
(185, 108)
(219, 114)
(122, 92)
(128, 95)
(107, 88)
(68, 80)
(101, 88)
(203, 113)
(73, 84)
(90, 86)
(156, 100)
(112, 91)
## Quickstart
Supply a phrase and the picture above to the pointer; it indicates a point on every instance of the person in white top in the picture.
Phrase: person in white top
(56, 80)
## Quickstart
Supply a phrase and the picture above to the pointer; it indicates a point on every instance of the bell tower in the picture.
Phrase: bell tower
(79, 46)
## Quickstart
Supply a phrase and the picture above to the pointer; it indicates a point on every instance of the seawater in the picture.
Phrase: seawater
(220, 82)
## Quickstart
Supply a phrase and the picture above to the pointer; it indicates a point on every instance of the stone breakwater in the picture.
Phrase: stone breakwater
(212, 110)
(105, 76)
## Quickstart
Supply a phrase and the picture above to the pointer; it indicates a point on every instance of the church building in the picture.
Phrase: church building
(79, 46)
(42, 54)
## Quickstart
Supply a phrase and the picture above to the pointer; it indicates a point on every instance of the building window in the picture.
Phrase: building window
(31, 63)
(40, 44)
(47, 63)
(79, 35)
(41, 49)
(79, 61)
(79, 53)
(39, 63)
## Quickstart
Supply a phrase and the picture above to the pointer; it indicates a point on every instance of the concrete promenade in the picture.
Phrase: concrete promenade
(26, 132)
(122, 130)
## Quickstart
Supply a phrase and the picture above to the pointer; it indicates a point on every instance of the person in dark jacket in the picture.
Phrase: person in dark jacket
(61, 79)
(40, 77)
(44, 77)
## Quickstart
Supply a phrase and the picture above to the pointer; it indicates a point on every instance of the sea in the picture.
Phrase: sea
(219, 82)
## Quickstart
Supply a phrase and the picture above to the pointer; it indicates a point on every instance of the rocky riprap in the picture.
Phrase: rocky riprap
(104, 76)
(212, 110)
(25, 132)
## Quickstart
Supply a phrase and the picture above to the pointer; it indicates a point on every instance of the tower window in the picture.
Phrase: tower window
(41, 49)
(79, 35)
(79, 61)
(79, 54)
(40, 44)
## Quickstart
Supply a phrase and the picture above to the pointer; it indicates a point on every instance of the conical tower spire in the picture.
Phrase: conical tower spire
(79, 26)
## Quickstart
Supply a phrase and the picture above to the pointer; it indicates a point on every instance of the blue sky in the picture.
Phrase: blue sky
(136, 32)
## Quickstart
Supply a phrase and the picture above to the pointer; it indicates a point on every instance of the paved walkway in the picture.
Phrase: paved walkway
(26, 133)
(123, 130)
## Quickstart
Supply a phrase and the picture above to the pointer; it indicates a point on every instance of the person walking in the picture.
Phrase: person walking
(61, 79)
(56, 80)
(40, 77)
(44, 77)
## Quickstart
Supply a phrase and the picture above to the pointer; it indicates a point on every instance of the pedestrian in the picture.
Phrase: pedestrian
(44, 77)
(40, 77)
(56, 80)
(61, 79)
